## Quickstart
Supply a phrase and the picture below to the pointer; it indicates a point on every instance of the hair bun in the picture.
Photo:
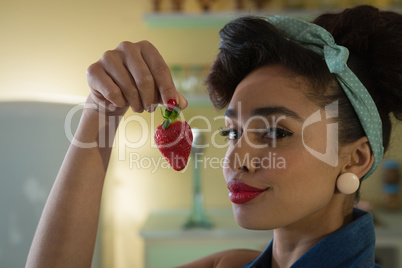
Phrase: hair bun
(374, 40)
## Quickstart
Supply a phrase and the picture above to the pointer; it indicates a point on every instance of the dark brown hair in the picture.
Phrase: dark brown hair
(374, 40)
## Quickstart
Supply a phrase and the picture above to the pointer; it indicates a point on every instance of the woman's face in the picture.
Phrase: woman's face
(270, 148)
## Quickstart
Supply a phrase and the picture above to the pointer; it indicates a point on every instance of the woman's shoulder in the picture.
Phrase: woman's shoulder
(225, 259)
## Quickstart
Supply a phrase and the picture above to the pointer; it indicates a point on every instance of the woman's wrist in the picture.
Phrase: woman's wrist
(96, 129)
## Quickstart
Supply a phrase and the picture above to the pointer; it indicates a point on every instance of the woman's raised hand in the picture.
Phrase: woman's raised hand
(132, 75)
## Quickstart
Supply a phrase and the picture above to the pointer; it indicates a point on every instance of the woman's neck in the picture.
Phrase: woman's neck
(291, 242)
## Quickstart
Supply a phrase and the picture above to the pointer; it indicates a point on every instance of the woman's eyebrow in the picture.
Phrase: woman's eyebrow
(267, 111)
(272, 110)
(231, 113)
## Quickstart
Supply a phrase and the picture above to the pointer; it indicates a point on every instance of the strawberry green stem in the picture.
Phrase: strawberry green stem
(170, 116)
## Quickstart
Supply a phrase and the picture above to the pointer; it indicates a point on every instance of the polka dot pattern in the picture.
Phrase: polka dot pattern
(321, 41)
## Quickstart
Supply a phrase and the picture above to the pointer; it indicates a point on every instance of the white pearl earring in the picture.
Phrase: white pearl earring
(348, 183)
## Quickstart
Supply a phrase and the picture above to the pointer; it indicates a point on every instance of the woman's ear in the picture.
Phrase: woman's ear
(361, 158)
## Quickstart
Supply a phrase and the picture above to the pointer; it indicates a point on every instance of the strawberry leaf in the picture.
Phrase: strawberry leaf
(170, 116)
(167, 113)
(166, 123)
(175, 113)
(163, 114)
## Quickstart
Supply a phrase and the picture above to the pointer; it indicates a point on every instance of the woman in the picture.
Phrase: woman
(289, 93)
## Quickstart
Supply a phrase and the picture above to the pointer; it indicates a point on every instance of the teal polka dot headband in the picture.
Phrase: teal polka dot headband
(319, 40)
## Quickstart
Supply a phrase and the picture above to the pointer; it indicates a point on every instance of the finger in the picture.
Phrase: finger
(101, 103)
(182, 101)
(156, 100)
(161, 74)
(141, 76)
(113, 64)
(99, 81)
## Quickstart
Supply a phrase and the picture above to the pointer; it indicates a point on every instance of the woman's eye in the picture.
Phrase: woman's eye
(230, 134)
(277, 133)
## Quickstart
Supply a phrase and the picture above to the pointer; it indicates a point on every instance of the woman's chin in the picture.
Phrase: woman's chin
(250, 225)
(249, 221)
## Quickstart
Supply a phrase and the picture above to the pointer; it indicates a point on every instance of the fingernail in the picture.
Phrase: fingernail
(171, 104)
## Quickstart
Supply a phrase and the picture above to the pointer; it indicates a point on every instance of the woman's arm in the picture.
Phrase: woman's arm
(66, 233)
(133, 75)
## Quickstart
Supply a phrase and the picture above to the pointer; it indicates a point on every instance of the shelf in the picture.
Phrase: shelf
(215, 19)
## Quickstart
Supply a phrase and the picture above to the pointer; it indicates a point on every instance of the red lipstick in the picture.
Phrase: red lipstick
(242, 193)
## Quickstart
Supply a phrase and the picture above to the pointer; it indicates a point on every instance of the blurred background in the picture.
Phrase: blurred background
(45, 49)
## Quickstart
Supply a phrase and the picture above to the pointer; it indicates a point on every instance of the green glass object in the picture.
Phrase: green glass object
(197, 217)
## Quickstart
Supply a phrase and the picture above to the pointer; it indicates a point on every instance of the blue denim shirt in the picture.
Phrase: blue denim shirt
(350, 246)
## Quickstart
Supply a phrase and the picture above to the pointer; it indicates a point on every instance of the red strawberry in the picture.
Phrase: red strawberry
(174, 139)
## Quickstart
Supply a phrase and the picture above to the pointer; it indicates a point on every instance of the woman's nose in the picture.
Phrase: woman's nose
(243, 157)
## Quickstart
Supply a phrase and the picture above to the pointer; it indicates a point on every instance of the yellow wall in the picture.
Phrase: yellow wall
(46, 47)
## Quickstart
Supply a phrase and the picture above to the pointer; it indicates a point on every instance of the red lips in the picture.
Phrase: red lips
(241, 193)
